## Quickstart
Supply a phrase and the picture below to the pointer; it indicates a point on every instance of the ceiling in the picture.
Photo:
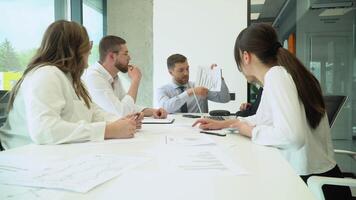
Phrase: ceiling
(272, 8)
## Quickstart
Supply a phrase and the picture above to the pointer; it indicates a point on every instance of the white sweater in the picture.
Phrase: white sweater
(46, 110)
(281, 122)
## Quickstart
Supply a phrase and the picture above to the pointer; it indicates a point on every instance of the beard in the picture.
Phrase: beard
(122, 68)
(183, 80)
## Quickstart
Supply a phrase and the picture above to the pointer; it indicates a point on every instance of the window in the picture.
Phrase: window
(93, 16)
(31, 17)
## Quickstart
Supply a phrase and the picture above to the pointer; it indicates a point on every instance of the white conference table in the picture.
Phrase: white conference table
(269, 175)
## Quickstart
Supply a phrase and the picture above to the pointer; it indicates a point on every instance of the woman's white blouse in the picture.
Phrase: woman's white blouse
(281, 122)
(47, 110)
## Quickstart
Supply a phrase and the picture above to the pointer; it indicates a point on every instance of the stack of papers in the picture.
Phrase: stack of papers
(79, 175)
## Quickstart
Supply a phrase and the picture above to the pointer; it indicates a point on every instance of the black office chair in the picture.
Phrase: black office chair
(4, 99)
(333, 106)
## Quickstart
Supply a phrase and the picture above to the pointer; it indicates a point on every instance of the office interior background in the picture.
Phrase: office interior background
(321, 33)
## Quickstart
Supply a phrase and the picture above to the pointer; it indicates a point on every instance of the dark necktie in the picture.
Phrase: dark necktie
(184, 108)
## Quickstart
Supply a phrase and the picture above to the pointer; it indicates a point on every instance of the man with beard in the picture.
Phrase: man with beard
(104, 85)
(178, 96)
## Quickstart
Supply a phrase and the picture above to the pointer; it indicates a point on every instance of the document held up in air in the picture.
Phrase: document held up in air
(209, 78)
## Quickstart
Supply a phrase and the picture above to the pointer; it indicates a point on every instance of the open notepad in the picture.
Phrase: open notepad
(150, 120)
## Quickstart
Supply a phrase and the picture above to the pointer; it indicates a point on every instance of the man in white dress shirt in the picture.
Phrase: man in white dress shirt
(104, 85)
(178, 96)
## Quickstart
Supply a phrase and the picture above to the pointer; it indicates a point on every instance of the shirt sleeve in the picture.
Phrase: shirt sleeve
(101, 115)
(286, 129)
(171, 104)
(251, 120)
(45, 101)
(223, 96)
(103, 95)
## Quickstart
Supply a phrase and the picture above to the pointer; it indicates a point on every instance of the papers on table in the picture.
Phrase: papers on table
(151, 120)
(9, 192)
(189, 140)
(198, 160)
(209, 78)
(79, 175)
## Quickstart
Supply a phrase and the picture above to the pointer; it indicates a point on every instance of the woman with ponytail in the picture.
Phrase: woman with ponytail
(50, 104)
(291, 115)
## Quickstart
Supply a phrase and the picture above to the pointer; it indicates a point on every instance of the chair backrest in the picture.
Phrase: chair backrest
(333, 104)
(4, 99)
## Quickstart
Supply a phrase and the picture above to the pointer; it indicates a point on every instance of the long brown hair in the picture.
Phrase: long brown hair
(64, 45)
(261, 40)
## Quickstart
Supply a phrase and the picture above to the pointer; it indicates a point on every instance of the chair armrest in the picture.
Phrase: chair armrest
(316, 182)
(346, 152)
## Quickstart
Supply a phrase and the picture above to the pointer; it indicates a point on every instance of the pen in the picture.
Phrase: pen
(213, 133)
(136, 116)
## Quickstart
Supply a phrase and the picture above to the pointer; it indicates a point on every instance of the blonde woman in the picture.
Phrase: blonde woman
(50, 105)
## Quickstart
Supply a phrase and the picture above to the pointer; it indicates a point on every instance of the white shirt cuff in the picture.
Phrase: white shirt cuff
(98, 131)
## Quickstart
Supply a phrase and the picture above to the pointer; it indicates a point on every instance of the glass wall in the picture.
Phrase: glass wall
(321, 33)
(23, 23)
(93, 20)
(22, 26)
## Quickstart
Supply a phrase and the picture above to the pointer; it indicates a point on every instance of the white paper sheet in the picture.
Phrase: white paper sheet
(197, 161)
(79, 175)
(151, 120)
(189, 140)
(9, 192)
(209, 78)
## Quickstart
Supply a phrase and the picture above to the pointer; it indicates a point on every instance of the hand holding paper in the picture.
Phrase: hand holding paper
(209, 77)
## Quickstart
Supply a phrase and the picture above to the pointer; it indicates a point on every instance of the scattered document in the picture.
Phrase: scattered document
(209, 78)
(189, 140)
(151, 120)
(9, 192)
(80, 175)
(198, 160)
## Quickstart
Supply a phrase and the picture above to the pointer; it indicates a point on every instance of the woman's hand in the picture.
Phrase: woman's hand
(209, 124)
(138, 117)
(119, 129)
(243, 127)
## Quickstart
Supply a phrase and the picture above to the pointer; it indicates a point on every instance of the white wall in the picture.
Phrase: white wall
(205, 32)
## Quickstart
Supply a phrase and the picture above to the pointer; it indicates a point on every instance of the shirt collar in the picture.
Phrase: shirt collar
(100, 68)
(176, 85)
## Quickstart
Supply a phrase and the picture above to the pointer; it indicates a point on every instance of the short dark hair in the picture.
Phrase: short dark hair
(109, 44)
(175, 58)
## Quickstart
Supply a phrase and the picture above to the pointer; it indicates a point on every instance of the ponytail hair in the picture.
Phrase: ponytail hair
(261, 40)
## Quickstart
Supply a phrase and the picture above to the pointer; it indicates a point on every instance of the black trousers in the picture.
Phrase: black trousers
(332, 192)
